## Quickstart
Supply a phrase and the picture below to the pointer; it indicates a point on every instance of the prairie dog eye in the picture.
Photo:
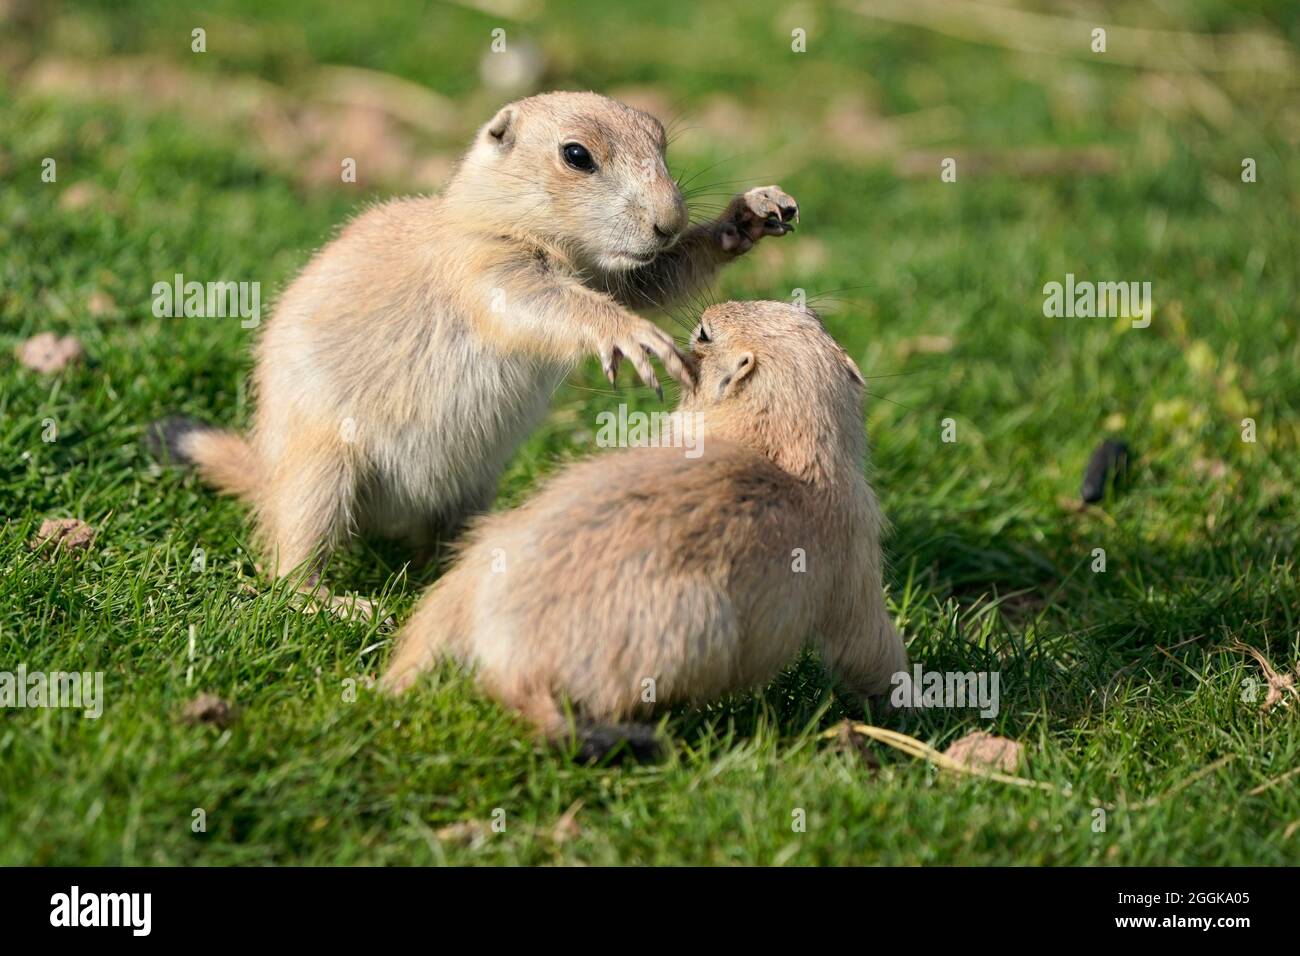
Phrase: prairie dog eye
(577, 157)
(702, 334)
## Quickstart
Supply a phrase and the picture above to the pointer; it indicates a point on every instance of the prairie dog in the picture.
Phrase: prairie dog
(413, 354)
(698, 575)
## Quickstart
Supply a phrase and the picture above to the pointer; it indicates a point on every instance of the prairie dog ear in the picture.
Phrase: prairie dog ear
(502, 128)
(854, 372)
(740, 369)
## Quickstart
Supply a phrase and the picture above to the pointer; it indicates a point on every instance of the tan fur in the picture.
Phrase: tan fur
(645, 564)
(404, 365)
(224, 460)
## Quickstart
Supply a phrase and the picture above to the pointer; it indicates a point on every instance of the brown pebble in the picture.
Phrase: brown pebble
(48, 353)
(986, 752)
(209, 709)
(68, 534)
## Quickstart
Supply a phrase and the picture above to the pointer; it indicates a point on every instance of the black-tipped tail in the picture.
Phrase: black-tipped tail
(617, 743)
(165, 438)
(223, 458)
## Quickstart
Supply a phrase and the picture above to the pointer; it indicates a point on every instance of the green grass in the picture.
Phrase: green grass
(1123, 687)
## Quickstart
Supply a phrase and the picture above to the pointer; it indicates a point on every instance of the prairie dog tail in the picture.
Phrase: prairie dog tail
(589, 741)
(223, 458)
(616, 743)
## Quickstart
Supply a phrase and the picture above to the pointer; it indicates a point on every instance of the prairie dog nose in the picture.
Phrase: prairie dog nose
(670, 223)
(666, 236)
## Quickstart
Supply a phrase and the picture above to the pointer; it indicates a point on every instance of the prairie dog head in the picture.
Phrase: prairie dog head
(578, 170)
(770, 376)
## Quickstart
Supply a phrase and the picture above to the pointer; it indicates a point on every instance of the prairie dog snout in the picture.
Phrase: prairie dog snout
(589, 174)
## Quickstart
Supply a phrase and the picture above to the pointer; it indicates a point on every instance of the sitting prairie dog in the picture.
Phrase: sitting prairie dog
(689, 577)
(413, 354)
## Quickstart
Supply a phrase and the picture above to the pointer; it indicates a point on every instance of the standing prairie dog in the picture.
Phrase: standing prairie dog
(649, 577)
(413, 354)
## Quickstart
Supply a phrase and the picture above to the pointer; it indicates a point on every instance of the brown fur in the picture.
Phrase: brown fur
(647, 564)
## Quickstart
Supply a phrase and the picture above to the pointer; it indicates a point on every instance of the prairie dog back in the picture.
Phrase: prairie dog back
(646, 577)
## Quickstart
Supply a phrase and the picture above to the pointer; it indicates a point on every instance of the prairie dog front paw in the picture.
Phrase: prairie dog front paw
(762, 211)
(636, 341)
